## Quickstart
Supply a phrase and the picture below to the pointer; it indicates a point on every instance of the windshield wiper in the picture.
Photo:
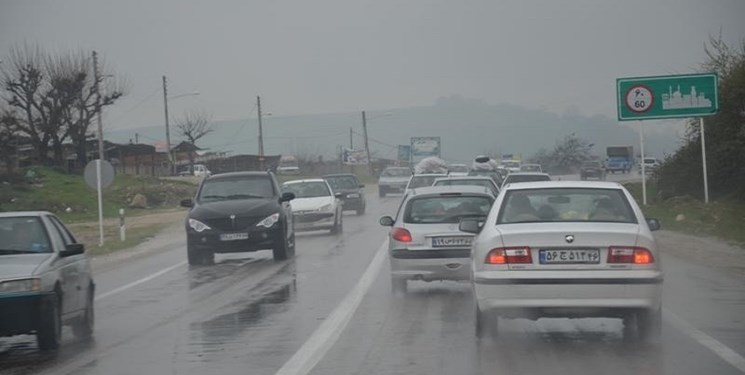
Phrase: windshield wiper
(13, 251)
(244, 196)
(214, 197)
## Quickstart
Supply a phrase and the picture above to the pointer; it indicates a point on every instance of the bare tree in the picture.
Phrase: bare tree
(194, 125)
(8, 139)
(55, 98)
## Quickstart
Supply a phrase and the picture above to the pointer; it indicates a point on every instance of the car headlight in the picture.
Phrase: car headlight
(198, 225)
(268, 221)
(325, 207)
(20, 286)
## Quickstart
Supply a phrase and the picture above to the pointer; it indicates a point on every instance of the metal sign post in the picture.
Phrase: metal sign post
(661, 97)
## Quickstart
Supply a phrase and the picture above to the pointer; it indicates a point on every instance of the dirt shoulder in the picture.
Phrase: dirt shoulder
(708, 251)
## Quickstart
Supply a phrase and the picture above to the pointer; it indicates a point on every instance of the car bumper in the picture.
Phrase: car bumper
(545, 294)
(258, 239)
(392, 188)
(352, 203)
(429, 265)
(20, 313)
(319, 221)
(592, 173)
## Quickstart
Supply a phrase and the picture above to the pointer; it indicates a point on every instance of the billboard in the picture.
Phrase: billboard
(404, 152)
(422, 147)
(354, 157)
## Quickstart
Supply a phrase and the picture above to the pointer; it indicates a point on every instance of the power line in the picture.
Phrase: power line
(128, 111)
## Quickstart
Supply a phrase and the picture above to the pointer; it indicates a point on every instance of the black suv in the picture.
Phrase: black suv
(237, 212)
(352, 192)
(592, 169)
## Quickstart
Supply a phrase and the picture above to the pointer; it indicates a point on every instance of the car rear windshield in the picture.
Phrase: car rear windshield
(458, 168)
(343, 182)
(236, 187)
(23, 235)
(530, 168)
(511, 164)
(397, 172)
(484, 183)
(511, 179)
(445, 208)
(422, 181)
(565, 205)
(312, 189)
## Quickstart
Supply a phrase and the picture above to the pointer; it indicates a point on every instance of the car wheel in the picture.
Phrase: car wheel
(649, 324)
(49, 334)
(83, 328)
(398, 285)
(281, 250)
(486, 325)
(198, 257)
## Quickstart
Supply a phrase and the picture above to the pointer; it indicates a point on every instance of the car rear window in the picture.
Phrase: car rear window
(458, 168)
(398, 172)
(483, 183)
(565, 205)
(23, 234)
(511, 179)
(422, 181)
(343, 182)
(445, 209)
(312, 189)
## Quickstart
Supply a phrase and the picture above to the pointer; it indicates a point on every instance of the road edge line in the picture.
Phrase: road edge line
(326, 335)
(721, 350)
(140, 281)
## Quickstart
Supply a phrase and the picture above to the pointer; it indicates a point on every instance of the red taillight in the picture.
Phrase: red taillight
(509, 255)
(631, 255)
(401, 235)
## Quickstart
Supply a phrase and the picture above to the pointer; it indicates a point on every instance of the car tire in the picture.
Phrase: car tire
(281, 250)
(398, 286)
(198, 257)
(487, 326)
(49, 334)
(649, 324)
(83, 328)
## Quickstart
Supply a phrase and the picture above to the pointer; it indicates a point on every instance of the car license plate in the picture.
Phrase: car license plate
(573, 256)
(233, 236)
(451, 242)
(355, 195)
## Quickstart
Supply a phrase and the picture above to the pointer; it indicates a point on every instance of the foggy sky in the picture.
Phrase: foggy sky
(325, 56)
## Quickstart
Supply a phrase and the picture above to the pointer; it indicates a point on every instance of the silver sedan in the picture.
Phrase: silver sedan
(566, 249)
(425, 243)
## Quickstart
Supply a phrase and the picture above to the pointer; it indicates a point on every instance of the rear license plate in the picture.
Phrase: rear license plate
(233, 236)
(574, 256)
(451, 242)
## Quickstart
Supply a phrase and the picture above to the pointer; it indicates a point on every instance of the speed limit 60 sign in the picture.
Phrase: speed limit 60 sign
(644, 98)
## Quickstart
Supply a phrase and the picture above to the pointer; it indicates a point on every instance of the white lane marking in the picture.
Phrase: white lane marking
(140, 281)
(724, 352)
(324, 337)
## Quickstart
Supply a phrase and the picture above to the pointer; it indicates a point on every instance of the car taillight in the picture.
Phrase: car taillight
(631, 255)
(401, 235)
(509, 255)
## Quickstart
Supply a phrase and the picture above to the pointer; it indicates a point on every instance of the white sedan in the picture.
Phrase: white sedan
(315, 206)
(566, 249)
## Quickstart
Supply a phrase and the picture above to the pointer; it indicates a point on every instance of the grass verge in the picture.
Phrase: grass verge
(724, 219)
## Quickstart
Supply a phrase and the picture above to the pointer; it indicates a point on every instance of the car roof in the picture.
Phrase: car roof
(430, 174)
(239, 174)
(25, 213)
(528, 174)
(437, 190)
(302, 181)
(468, 178)
(340, 175)
(563, 184)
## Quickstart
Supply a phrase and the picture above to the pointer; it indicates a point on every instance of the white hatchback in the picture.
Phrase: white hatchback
(566, 249)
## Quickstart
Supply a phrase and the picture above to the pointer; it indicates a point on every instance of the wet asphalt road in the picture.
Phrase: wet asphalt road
(249, 315)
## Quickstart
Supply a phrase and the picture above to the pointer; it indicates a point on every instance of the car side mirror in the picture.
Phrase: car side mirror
(286, 197)
(187, 203)
(471, 225)
(654, 224)
(387, 221)
(72, 249)
(338, 195)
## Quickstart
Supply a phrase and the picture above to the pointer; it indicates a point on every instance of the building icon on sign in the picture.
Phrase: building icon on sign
(677, 100)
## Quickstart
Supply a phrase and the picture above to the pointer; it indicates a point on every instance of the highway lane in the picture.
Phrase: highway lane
(250, 315)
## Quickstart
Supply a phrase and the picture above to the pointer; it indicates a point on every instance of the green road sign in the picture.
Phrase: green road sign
(646, 98)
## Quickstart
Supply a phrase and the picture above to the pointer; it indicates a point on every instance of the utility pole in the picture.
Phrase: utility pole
(168, 130)
(97, 78)
(137, 138)
(261, 135)
(351, 140)
(367, 145)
